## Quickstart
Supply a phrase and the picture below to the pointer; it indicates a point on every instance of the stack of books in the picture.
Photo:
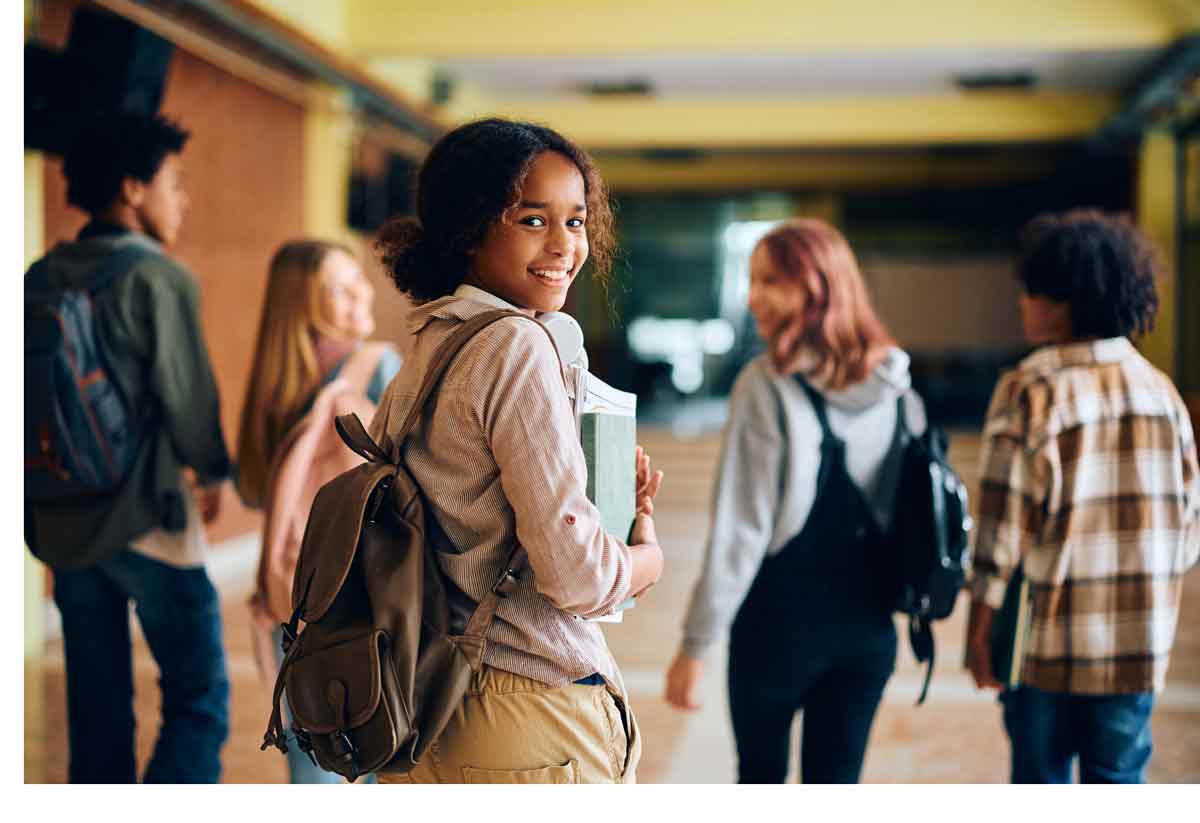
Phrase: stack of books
(608, 431)
(607, 423)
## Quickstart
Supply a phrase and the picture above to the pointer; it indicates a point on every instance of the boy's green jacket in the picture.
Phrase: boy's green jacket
(149, 326)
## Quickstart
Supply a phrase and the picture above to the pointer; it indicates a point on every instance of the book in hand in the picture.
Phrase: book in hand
(1010, 631)
(608, 432)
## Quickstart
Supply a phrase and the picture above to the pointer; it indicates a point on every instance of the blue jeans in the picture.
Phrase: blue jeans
(181, 619)
(1110, 734)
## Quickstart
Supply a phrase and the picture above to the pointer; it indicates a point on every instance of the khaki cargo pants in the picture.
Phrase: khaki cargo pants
(511, 729)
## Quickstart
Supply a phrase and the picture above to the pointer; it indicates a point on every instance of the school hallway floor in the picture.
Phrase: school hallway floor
(955, 737)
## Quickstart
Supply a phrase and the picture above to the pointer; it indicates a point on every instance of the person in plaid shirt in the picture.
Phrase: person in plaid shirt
(1089, 481)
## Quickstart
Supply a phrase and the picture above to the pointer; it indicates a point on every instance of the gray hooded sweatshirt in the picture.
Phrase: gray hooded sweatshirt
(767, 475)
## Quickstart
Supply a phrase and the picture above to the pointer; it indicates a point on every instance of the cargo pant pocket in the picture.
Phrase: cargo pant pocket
(565, 774)
(632, 748)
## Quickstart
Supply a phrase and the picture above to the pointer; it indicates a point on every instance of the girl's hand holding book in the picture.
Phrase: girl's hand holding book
(648, 483)
(979, 647)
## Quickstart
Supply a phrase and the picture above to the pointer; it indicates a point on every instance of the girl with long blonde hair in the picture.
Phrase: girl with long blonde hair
(311, 362)
(804, 492)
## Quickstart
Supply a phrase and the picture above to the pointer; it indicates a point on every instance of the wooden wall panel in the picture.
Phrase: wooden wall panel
(966, 304)
(245, 178)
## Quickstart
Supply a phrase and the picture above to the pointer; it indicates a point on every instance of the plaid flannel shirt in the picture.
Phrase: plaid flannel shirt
(1089, 477)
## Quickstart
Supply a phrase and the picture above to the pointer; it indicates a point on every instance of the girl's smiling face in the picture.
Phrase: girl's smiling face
(345, 297)
(531, 255)
(775, 300)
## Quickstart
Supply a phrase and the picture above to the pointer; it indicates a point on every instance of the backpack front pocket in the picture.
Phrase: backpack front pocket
(346, 704)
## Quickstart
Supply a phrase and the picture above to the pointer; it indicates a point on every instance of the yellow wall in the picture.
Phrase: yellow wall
(323, 20)
(34, 572)
(1156, 217)
(34, 583)
(411, 76)
(738, 171)
(328, 140)
(473, 28)
(638, 122)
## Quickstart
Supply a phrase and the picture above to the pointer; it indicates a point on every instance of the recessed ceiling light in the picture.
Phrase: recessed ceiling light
(628, 86)
(1022, 79)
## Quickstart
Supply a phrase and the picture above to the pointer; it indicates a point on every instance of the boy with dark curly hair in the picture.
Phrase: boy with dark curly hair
(1089, 483)
(141, 540)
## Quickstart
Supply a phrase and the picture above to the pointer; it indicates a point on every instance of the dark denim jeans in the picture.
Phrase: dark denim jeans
(181, 619)
(1110, 734)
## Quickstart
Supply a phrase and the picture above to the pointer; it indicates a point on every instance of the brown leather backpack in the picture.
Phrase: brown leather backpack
(375, 675)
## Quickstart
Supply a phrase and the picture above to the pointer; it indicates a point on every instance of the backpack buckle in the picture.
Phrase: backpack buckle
(344, 749)
(507, 584)
(304, 744)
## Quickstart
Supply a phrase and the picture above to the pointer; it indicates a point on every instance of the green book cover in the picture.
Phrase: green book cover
(609, 441)
(608, 433)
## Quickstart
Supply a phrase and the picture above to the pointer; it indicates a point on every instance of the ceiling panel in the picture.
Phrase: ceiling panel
(821, 74)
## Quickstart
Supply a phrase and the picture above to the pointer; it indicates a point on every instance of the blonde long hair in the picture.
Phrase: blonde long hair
(284, 374)
(838, 330)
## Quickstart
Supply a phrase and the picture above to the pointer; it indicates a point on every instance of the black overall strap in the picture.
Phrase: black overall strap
(818, 404)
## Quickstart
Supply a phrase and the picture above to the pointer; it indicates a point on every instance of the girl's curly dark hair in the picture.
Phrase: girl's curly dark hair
(470, 177)
(1098, 263)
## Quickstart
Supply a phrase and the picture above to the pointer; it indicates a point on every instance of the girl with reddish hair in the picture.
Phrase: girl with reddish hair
(803, 496)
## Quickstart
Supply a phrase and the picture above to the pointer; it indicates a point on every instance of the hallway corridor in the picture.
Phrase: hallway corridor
(955, 737)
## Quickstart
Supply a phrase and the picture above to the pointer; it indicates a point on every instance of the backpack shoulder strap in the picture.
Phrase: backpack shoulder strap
(116, 264)
(481, 619)
(40, 279)
(351, 428)
(37, 279)
(902, 433)
(354, 435)
(445, 354)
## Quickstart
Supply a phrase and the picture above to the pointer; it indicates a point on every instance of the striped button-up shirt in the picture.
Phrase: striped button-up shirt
(1089, 478)
(498, 458)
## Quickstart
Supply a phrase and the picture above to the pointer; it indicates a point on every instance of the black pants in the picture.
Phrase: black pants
(838, 695)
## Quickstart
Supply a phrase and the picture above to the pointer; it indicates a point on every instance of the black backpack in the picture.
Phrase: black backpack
(81, 434)
(927, 539)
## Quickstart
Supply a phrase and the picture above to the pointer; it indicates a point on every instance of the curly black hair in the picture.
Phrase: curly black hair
(1098, 263)
(471, 176)
(112, 147)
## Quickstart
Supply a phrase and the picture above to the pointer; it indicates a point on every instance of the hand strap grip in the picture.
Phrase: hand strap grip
(354, 435)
